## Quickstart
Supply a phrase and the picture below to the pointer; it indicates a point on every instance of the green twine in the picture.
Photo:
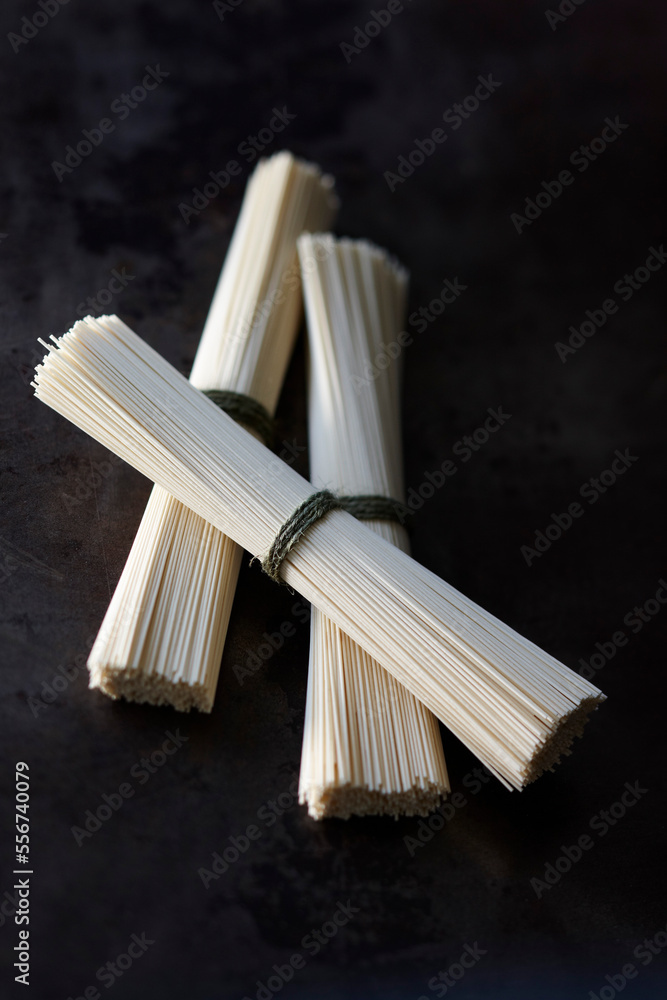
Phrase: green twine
(365, 507)
(302, 518)
(245, 410)
(374, 507)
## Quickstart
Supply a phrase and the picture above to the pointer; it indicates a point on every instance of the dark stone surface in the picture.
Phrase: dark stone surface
(493, 347)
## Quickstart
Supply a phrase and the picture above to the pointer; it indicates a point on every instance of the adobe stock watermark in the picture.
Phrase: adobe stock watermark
(249, 148)
(446, 980)
(272, 642)
(90, 481)
(591, 491)
(95, 303)
(9, 906)
(31, 26)
(454, 117)
(363, 36)
(222, 7)
(601, 823)
(290, 282)
(65, 674)
(580, 158)
(276, 467)
(312, 943)
(427, 827)
(635, 620)
(121, 107)
(382, 705)
(565, 9)
(13, 559)
(420, 319)
(141, 772)
(625, 288)
(645, 952)
(464, 449)
(108, 973)
(239, 844)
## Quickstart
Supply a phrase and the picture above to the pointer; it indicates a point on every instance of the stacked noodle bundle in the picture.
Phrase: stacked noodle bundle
(161, 640)
(369, 746)
(516, 707)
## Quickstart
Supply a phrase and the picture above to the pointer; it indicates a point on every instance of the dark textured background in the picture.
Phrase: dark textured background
(495, 346)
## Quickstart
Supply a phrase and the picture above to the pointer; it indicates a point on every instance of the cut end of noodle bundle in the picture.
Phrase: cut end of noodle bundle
(559, 740)
(348, 800)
